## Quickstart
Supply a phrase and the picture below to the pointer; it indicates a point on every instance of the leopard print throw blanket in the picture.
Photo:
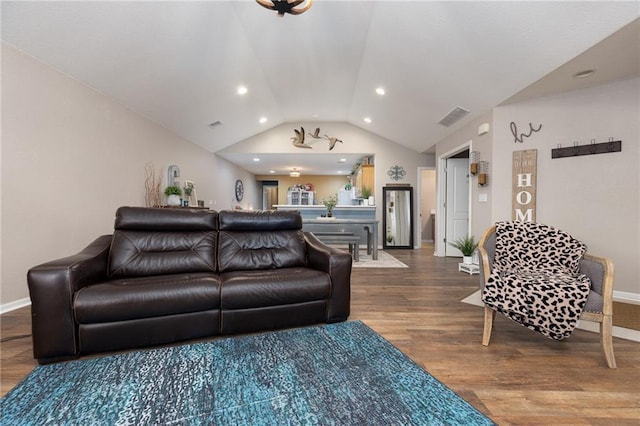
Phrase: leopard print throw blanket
(534, 279)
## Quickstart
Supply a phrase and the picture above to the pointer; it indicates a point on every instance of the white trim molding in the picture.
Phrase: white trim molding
(17, 304)
(626, 297)
(621, 332)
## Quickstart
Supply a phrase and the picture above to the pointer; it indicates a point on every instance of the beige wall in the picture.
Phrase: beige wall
(595, 197)
(70, 157)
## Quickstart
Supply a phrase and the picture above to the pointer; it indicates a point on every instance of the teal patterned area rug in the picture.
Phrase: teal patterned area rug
(338, 374)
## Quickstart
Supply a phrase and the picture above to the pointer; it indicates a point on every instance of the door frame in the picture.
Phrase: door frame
(418, 241)
(441, 183)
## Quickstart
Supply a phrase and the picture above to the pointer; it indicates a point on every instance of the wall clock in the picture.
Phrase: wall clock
(239, 190)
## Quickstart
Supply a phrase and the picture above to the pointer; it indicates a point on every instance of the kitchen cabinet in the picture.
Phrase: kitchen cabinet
(364, 177)
(300, 198)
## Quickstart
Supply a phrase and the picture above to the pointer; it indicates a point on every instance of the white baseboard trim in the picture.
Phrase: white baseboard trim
(626, 297)
(7, 307)
(623, 333)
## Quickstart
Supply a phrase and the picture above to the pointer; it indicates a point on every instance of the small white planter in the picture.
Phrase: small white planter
(173, 200)
(467, 260)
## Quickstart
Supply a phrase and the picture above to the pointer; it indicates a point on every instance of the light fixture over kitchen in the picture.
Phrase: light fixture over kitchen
(294, 173)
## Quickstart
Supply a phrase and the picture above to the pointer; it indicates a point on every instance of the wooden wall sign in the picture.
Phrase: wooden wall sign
(524, 169)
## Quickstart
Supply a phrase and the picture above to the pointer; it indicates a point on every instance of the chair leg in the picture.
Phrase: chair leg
(489, 315)
(606, 340)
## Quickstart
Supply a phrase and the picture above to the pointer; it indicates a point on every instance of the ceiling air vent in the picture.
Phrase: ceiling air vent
(456, 114)
(215, 124)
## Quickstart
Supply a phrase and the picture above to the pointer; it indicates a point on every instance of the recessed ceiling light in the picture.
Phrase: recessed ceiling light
(367, 120)
(315, 116)
(242, 90)
(256, 159)
(272, 171)
(342, 160)
(584, 74)
(263, 120)
(380, 91)
(339, 172)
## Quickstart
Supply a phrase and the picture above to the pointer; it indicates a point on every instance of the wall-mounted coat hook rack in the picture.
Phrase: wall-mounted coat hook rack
(592, 148)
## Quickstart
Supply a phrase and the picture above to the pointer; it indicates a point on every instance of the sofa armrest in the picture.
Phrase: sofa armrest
(337, 263)
(51, 287)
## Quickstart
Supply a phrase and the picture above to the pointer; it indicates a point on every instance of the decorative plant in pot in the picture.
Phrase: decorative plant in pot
(173, 194)
(329, 204)
(467, 245)
(366, 195)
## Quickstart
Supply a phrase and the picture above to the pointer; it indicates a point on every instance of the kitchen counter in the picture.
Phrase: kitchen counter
(339, 212)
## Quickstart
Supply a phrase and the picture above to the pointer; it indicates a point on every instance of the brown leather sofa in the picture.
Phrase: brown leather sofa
(169, 275)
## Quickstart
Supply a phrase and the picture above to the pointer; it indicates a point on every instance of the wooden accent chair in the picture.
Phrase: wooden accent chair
(599, 270)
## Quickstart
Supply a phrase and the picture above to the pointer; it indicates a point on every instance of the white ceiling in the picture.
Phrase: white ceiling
(179, 63)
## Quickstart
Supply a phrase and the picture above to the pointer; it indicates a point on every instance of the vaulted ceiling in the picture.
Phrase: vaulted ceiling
(180, 63)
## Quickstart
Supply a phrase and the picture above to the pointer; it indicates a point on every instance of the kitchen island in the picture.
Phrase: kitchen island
(349, 220)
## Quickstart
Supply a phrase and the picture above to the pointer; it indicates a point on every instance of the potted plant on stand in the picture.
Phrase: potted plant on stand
(173, 194)
(467, 245)
(329, 204)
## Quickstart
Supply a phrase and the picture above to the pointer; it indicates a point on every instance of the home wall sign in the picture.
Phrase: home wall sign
(592, 148)
(519, 137)
(524, 186)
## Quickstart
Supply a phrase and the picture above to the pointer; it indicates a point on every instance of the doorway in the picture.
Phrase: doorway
(269, 194)
(426, 206)
(454, 200)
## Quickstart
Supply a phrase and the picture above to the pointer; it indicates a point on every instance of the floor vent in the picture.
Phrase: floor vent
(456, 114)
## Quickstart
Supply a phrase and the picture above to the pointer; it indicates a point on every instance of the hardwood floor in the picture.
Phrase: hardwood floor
(521, 378)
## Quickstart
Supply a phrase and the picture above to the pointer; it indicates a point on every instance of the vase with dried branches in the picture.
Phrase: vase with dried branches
(152, 182)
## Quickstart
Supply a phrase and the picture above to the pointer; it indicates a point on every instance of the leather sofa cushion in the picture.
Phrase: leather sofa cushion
(152, 241)
(244, 251)
(146, 297)
(154, 219)
(257, 220)
(253, 289)
(142, 253)
(252, 240)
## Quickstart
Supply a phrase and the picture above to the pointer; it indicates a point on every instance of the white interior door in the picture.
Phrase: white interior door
(269, 197)
(457, 203)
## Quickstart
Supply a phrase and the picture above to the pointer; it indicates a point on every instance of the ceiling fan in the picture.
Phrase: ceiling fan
(285, 6)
